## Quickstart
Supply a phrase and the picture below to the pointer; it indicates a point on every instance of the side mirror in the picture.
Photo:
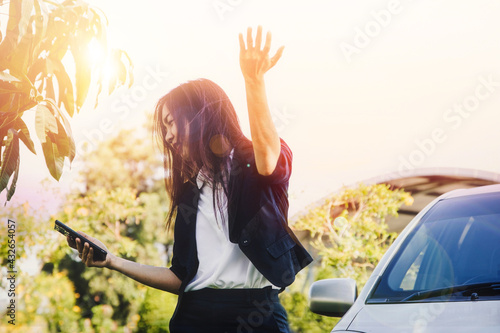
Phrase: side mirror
(332, 297)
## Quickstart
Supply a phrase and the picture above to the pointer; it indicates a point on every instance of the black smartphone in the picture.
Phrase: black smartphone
(99, 253)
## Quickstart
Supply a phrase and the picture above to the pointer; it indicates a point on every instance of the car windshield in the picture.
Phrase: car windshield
(455, 244)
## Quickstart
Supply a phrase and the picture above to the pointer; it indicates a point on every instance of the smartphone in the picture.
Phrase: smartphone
(99, 253)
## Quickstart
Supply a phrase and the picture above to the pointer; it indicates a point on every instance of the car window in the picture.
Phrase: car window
(456, 243)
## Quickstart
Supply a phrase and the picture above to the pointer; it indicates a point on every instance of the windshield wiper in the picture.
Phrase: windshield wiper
(465, 289)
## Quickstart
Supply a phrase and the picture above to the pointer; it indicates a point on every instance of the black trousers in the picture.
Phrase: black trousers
(230, 311)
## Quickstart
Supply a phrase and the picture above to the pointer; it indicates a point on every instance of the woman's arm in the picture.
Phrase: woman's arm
(254, 63)
(157, 277)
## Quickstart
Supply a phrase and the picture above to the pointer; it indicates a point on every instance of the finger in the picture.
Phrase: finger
(91, 254)
(89, 259)
(79, 245)
(242, 43)
(267, 46)
(249, 38)
(85, 252)
(258, 38)
(277, 56)
(71, 242)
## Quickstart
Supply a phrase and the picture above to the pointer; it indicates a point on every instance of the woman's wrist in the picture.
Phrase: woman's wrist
(112, 262)
(255, 81)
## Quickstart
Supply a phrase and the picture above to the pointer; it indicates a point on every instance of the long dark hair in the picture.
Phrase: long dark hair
(208, 126)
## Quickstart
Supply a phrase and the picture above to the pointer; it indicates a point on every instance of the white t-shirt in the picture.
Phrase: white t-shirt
(222, 265)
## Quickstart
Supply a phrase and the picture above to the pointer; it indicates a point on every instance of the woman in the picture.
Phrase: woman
(233, 250)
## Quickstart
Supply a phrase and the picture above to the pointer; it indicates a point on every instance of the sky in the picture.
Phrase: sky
(363, 89)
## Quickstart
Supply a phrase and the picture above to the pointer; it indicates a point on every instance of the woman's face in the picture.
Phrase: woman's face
(171, 135)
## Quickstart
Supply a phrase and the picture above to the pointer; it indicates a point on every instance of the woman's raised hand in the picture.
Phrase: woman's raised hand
(254, 61)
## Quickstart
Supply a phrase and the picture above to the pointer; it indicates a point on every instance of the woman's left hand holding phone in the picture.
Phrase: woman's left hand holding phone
(157, 277)
(86, 253)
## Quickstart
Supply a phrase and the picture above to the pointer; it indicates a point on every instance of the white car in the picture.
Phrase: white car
(442, 274)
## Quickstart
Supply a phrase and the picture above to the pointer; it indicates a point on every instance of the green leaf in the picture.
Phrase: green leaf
(67, 129)
(44, 122)
(7, 88)
(99, 89)
(130, 69)
(72, 149)
(24, 17)
(60, 47)
(4, 76)
(39, 66)
(7, 119)
(53, 158)
(10, 158)
(5, 102)
(100, 22)
(67, 126)
(25, 99)
(17, 26)
(24, 134)
(18, 49)
(49, 88)
(61, 140)
(82, 73)
(64, 136)
(41, 23)
(125, 71)
(66, 96)
(12, 187)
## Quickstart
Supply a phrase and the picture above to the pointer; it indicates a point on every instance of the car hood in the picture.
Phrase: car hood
(468, 316)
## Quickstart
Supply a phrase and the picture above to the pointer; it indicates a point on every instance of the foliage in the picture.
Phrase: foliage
(115, 217)
(101, 318)
(156, 311)
(52, 296)
(34, 75)
(349, 230)
(130, 162)
(300, 318)
(45, 301)
(26, 231)
(132, 226)
(349, 233)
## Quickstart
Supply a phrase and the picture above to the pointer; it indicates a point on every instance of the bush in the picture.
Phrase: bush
(155, 311)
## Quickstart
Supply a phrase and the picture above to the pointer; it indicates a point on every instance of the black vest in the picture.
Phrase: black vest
(257, 217)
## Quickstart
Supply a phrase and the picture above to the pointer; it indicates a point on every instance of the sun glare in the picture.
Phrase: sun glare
(97, 52)
(102, 59)
(109, 70)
